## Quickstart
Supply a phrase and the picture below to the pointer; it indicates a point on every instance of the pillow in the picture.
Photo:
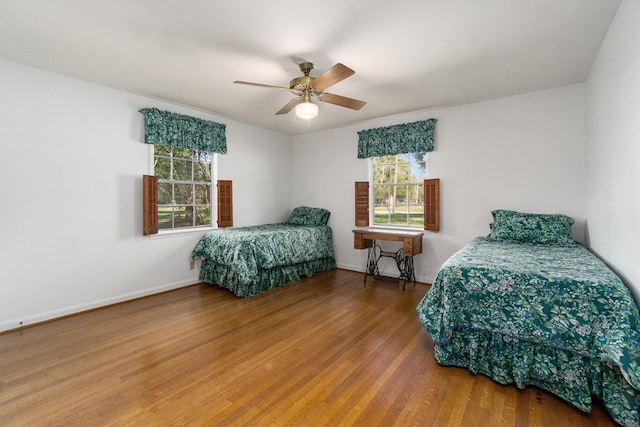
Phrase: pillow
(304, 215)
(539, 229)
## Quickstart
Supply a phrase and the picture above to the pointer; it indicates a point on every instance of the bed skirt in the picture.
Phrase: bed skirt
(265, 280)
(569, 375)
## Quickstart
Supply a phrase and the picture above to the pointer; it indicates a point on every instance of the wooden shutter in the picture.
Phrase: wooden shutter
(225, 204)
(362, 204)
(149, 204)
(432, 204)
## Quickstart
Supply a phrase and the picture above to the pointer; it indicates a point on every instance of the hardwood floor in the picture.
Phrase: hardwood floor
(323, 351)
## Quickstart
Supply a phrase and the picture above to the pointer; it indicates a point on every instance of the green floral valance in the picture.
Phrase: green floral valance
(397, 139)
(176, 130)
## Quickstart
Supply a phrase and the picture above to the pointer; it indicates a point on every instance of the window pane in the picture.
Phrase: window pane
(381, 205)
(183, 216)
(381, 195)
(183, 194)
(416, 195)
(165, 195)
(419, 167)
(202, 172)
(184, 153)
(388, 213)
(416, 217)
(384, 159)
(165, 217)
(400, 218)
(161, 150)
(162, 168)
(202, 156)
(416, 207)
(401, 195)
(381, 215)
(203, 215)
(202, 194)
(182, 170)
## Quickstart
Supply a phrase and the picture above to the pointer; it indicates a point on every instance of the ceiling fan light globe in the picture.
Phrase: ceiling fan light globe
(306, 110)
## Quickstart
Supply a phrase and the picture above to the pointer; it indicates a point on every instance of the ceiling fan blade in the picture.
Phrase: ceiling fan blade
(332, 76)
(289, 106)
(342, 101)
(260, 85)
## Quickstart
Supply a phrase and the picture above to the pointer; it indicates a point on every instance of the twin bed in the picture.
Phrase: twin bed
(251, 260)
(528, 305)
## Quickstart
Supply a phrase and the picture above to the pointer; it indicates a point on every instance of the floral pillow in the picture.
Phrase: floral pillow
(540, 229)
(304, 215)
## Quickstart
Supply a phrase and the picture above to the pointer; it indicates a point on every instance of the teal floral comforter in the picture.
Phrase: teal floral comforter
(551, 316)
(250, 260)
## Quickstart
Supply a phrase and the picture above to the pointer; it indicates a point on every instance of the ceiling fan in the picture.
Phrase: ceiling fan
(305, 87)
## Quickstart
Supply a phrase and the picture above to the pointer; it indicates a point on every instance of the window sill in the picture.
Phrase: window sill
(184, 232)
(398, 228)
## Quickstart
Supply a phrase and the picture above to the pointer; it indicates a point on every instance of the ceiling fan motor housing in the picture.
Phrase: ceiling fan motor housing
(306, 86)
(302, 84)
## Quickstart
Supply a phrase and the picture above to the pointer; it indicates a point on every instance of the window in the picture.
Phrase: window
(184, 187)
(398, 189)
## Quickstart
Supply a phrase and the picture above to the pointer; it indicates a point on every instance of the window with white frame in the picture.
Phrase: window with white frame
(185, 198)
(398, 190)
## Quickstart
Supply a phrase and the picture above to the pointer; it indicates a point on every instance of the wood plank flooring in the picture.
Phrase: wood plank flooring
(323, 351)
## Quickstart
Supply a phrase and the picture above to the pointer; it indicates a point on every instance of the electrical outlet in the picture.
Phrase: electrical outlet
(192, 265)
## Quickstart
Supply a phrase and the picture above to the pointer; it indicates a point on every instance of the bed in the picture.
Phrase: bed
(528, 305)
(255, 259)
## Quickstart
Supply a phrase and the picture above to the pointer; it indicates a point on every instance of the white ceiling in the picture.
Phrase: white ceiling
(408, 55)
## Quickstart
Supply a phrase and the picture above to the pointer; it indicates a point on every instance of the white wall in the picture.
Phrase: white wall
(613, 147)
(259, 163)
(71, 162)
(524, 153)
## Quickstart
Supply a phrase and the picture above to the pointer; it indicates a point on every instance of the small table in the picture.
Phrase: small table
(367, 237)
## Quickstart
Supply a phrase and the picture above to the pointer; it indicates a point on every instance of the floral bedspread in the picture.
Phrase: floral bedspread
(574, 322)
(247, 250)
